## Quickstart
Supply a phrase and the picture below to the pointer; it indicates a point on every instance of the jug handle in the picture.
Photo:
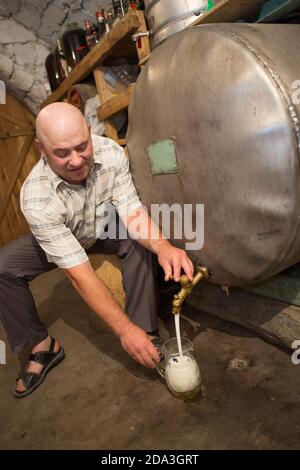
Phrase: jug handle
(159, 367)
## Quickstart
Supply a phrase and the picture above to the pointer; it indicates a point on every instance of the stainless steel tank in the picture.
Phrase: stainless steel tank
(166, 17)
(222, 96)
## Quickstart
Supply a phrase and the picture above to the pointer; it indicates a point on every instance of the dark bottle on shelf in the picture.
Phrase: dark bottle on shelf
(100, 16)
(62, 59)
(54, 70)
(140, 5)
(121, 7)
(133, 5)
(74, 44)
(91, 34)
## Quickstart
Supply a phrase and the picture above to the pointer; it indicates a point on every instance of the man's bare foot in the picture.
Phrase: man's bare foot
(35, 366)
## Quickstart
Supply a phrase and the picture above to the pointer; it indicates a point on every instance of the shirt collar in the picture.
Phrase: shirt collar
(56, 180)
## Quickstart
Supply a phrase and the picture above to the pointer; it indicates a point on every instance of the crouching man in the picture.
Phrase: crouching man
(63, 200)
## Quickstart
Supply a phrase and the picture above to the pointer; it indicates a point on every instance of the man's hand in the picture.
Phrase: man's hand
(138, 345)
(172, 260)
(133, 338)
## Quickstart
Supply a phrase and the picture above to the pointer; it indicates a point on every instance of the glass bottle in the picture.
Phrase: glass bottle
(91, 34)
(74, 44)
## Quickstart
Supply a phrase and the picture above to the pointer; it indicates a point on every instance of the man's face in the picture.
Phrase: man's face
(70, 156)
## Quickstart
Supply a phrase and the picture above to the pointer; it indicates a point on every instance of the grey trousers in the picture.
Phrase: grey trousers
(23, 260)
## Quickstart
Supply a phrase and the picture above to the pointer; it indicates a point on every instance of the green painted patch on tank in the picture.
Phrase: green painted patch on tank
(162, 157)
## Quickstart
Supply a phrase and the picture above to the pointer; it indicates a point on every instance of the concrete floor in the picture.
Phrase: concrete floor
(98, 398)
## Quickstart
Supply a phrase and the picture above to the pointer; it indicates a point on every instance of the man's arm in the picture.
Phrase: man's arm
(129, 208)
(170, 258)
(94, 292)
(64, 250)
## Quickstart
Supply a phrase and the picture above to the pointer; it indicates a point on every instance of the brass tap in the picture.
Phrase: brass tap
(187, 286)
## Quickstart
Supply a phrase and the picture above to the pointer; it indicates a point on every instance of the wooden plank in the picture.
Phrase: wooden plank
(111, 131)
(103, 90)
(228, 11)
(6, 233)
(13, 119)
(105, 94)
(21, 226)
(116, 104)
(274, 11)
(125, 27)
(144, 60)
(7, 158)
(145, 49)
(272, 319)
(10, 134)
(13, 180)
(12, 217)
(281, 287)
(13, 223)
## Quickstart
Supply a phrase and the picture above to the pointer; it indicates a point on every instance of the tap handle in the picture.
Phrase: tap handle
(201, 272)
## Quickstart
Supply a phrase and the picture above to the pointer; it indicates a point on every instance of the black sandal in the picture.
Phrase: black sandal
(32, 380)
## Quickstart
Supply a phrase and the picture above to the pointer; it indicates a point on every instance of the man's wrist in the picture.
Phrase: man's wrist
(158, 244)
(122, 327)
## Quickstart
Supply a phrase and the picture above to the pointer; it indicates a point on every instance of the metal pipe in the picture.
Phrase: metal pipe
(136, 36)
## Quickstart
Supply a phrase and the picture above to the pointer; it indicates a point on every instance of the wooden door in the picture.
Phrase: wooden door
(17, 157)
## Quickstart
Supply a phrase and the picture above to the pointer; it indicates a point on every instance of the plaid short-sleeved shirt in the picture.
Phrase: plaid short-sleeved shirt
(66, 218)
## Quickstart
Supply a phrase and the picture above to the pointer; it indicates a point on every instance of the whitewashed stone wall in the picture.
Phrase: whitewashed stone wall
(28, 30)
(22, 57)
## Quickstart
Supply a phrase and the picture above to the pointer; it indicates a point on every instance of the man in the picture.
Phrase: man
(64, 200)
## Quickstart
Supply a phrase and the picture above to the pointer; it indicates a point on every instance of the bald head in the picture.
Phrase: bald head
(58, 121)
(63, 137)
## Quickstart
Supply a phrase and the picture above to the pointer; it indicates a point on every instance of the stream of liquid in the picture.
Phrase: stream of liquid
(178, 336)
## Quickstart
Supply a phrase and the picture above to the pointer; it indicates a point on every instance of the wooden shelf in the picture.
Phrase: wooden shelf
(113, 44)
(118, 43)
(228, 11)
(115, 104)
